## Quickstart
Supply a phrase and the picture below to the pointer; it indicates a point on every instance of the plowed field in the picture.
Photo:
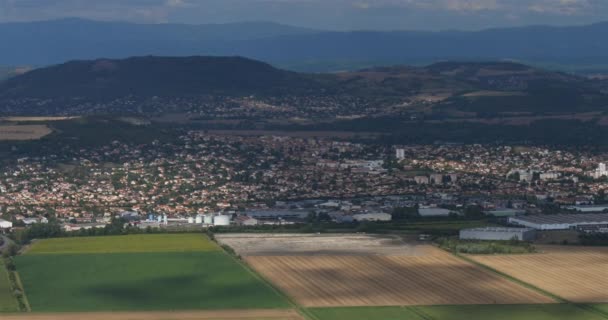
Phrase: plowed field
(436, 279)
(573, 273)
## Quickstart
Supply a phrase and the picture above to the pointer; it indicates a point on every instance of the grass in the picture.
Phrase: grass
(125, 244)
(474, 312)
(7, 300)
(509, 312)
(142, 281)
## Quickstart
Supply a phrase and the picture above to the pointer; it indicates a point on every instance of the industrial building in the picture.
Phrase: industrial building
(377, 216)
(497, 233)
(589, 209)
(560, 221)
(5, 224)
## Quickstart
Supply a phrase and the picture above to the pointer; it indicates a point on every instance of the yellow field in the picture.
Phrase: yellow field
(573, 273)
(437, 279)
(125, 244)
(23, 132)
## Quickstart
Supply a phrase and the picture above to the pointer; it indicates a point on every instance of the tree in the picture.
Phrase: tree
(403, 213)
(474, 211)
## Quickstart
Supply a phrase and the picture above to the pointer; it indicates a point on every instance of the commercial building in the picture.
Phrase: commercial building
(5, 224)
(494, 233)
(378, 216)
(589, 209)
(560, 221)
(434, 212)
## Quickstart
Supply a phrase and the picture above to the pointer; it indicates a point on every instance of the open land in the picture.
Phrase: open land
(481, 312)
(320, 244)
(35, 119)
(7, 300)
(202, 278)
(573, 273)
(359, 275)
(178, 315)
(125, 244)
(23, 132)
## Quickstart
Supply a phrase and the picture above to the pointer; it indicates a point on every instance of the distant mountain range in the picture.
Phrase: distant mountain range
(51, 42)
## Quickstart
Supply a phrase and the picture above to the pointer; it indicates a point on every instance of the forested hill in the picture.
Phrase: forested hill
(479, 87)
(156, 76)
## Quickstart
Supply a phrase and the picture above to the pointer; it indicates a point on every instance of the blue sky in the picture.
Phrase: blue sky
(321, 14)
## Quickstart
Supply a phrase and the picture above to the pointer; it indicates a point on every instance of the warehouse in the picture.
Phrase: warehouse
(560, 221)
(494, 233)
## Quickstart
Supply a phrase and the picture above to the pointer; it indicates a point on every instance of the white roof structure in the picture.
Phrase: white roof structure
(560, 221)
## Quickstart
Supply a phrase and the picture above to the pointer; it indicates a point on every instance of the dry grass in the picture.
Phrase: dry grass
(436, 279)
(23, 132)
(573, 273)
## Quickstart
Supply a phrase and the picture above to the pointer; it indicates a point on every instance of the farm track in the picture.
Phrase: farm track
(181, 315)
(439, 279)
(575, 275)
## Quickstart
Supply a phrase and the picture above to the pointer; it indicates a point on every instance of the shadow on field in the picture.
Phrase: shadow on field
(141, 291)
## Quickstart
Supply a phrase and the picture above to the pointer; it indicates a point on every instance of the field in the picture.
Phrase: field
(573, 273)
(186, 272)
(7, 301)
(179, 315)
(483, 312)
(364, 270)
(35, 119)
(23, 132)
(125, 244)
(322, 244)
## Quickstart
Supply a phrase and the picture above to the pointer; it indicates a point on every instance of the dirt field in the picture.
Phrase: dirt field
(435, 279)
(24, 132)
(325, 244)
(182, 315)
(573, 273)
(36, 119)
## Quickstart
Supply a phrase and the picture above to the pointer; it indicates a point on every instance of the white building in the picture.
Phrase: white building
(560, 221)
(400, 154)
(379, 216)
(5, 224)
(494, 233)
(421, 179)
(599, 172)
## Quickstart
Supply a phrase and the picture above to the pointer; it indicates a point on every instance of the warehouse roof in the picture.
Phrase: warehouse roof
(565, 218)
(498, 229)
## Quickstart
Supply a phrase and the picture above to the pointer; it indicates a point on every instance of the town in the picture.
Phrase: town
(270, 179)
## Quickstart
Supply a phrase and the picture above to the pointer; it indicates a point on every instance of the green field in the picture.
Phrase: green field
(125, 244)
(602, 308)
(476, 312)
(190, 274)
(7, 300)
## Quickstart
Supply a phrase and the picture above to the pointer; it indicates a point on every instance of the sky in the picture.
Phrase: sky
(321, 14)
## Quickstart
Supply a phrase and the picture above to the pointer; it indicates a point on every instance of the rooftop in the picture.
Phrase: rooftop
(565, 218)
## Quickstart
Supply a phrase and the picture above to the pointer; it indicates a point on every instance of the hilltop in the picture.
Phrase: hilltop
(445, 88)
